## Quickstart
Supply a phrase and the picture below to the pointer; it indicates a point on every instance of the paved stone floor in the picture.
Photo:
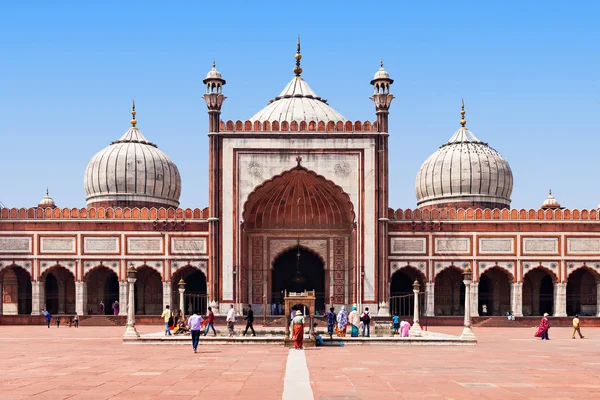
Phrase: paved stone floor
(92, 363)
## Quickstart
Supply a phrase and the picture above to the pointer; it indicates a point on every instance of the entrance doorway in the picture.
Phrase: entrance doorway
(402, 297)
(297, 270)
(538, 292)
(494, 292)
(102, 286)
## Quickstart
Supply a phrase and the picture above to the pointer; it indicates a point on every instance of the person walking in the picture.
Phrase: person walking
(101, 308)
(249, 320)
(366, 320)
(210, 322)
(543, 328)
(48, 317)
(57, 320)
(298, 330)
(76, 320)
(230, 320)
(194, 322)
(115, 308)
(354, 320)
(331, 317)
(576, 327)
(167, 315)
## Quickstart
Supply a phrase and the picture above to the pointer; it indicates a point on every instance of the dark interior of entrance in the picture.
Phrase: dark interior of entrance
(297, 270)
(402, 298)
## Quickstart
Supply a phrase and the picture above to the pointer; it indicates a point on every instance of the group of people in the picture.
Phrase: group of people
(544, 327)
(74, 320)
(102, 308)
(339, 322)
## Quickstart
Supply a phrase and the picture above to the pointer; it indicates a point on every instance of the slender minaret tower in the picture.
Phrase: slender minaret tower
(382, 98)
(214, 100)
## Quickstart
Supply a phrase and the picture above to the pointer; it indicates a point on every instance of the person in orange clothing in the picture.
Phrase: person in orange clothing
(576, 327)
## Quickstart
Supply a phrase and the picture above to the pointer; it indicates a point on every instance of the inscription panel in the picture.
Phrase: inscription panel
(409, 246)
(188, 245)
(58, 245)
(452, 245)
(145, 245)
(17, 244)
(540, 245)
(101, 245)
(583, 245)
(496, 245)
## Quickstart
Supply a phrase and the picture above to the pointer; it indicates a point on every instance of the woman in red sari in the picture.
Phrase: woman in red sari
(298, 330)
(543, 328)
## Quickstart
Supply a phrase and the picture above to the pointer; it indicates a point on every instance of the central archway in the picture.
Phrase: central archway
(296, 270)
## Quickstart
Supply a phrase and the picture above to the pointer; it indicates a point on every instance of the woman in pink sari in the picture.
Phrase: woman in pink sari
(404, 328)
(543, 328)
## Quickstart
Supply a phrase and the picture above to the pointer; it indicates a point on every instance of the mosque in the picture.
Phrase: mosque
(298, 199)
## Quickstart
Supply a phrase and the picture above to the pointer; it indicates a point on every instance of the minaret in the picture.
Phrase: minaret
(214, 97)
(214, 100)
(382, 97)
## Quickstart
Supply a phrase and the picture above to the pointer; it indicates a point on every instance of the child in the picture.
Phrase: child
(318, 338)
(396, 323)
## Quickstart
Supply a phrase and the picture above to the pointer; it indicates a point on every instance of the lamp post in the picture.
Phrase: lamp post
(415, 329)
(181, 285)
(467, 331)
(130, 331)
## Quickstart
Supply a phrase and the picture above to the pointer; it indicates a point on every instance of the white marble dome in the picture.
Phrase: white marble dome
(132, 172)
(464, 172)
(47, 201)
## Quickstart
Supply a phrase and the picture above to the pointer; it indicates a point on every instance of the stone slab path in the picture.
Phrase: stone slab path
(92, 363)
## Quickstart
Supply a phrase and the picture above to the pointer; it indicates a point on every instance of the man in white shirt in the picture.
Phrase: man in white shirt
(194, 323)
(230, 320)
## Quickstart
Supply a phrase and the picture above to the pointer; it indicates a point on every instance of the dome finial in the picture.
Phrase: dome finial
(381, 62)
(214, 63)
(133, 121)
(47, 194)
(550, 192)
(463, 121)
(298, 56)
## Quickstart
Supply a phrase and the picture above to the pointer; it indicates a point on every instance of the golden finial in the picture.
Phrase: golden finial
(298, 56)
(133, 121)
(463, 121)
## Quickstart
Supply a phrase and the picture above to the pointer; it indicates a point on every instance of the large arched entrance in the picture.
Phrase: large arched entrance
(538, 292)
(298, 206)
(195, 299)
(296, 270)
(582, 295)
(148, 292)
(59, 290)
(449, 292)
(102, 286)
(494, 291)
(401, 291)
(15, 291)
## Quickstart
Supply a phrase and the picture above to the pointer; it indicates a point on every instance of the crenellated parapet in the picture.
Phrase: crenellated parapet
(302, 126)
(111, 213)
(486, 214)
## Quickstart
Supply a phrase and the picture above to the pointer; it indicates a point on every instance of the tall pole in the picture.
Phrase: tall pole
(467, 331)
(181, 285)
(415, 329)
(130, 331)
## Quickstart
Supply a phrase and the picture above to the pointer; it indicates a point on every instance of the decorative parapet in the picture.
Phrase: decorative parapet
(302, 126)
(108, 213)
(478, 214)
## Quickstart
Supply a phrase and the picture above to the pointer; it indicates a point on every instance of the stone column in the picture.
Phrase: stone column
(598, 298)
(1, 295)
(430, 293)
(123, 298)
(474, 299)
(80, 298)
(182, 297)
(130, 331)
(36, 298)
(415, 329)
(516, 299)
(467, 331)
(560, 299)
(61, 296)
(167, 295)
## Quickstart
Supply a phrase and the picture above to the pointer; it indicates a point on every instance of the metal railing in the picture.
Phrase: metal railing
(199, 302)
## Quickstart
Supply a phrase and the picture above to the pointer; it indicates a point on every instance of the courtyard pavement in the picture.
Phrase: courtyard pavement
(93, 363)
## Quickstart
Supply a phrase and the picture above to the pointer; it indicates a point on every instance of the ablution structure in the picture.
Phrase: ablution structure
(298, 200)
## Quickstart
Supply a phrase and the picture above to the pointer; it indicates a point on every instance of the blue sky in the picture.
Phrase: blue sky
(529, 73)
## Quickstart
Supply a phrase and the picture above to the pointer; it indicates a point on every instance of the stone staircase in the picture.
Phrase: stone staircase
(102, 320)
(502, 322)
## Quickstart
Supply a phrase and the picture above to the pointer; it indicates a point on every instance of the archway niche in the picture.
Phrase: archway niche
(102, 286)
(148, 292)
(59, 290)
(401, 291)
(538, 292)
(195, 298)
(296, 270)
(582, 287)
(15, 291)
(494, 291)
(449, 292)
